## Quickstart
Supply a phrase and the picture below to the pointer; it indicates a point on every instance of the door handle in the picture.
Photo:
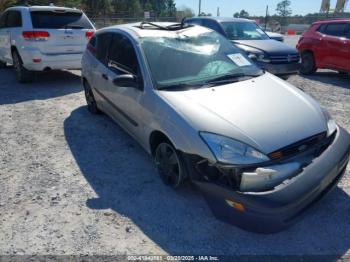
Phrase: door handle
(105, 77)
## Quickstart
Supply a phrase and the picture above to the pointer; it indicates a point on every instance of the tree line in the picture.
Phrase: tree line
(102, 7)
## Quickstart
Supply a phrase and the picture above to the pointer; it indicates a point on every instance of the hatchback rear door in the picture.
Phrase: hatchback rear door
(63, 31)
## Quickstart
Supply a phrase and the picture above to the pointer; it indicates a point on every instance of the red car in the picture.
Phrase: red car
(326, 45)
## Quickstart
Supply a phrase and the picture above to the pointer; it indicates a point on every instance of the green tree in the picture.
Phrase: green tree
(283, 10)
(183, 12)
(243, 14)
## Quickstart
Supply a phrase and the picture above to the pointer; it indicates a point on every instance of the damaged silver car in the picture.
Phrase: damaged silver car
(259, 149)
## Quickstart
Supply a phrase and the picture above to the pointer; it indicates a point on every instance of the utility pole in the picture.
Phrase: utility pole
(200, 8)
(218, 12)
(266, 16)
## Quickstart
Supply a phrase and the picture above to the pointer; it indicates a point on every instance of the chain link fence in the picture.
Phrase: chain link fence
(125, 17)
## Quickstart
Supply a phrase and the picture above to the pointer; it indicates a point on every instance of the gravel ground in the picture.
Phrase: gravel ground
(73, 183)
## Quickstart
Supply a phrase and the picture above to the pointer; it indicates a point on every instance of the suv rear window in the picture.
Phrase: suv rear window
(57, 20)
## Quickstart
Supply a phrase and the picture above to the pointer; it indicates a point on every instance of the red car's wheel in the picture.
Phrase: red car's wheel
(308, 65)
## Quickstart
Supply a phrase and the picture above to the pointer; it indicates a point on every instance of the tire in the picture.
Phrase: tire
(308, 65)
(2, 64)
(170, 165)
(90, 99)
(23, 75)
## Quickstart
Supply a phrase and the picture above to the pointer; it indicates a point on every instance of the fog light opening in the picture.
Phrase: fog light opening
(238, 206)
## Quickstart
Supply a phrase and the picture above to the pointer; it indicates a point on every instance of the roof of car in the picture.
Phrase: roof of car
(150, 31)
(44, 8)
(222, 19)
(341, 20)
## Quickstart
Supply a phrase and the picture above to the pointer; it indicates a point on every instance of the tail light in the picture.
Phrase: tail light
(89, 34)
(36, 35)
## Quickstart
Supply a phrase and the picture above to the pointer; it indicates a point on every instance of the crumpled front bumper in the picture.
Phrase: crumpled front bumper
(275, 210)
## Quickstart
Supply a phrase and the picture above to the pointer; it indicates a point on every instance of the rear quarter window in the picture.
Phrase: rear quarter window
(58, 20)
(14, 19)
(321, 28)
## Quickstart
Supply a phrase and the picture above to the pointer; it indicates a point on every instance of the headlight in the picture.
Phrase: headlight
(331, 124)
(260, 57)
(227, 150)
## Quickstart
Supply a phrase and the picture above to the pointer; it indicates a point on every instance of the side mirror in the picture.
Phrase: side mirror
(127, 80)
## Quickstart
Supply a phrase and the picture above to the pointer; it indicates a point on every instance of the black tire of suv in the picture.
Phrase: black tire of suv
(23, 75)
(308, 65)
(2, 64)
(90, 99)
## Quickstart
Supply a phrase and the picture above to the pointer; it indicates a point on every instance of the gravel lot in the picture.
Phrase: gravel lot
(73, 183)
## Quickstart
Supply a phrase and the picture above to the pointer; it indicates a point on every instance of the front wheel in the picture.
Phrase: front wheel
(23, 75)
(308, 65)
(169, 165)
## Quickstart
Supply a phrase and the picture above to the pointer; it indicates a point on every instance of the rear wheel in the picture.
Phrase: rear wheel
(90, 99)
(169, 165)
(23, 75)
(308, 65)
(2, 64)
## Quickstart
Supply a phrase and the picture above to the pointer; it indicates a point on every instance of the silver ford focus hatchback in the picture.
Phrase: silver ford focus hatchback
(259, 149)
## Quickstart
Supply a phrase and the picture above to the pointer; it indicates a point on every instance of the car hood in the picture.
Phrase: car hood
(265, 112)
(273, 34)
(268, 46)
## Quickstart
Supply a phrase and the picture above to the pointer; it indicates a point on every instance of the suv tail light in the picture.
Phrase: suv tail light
(36, 35)
(89, 34)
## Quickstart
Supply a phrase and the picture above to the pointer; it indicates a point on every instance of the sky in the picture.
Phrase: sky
(254, 7)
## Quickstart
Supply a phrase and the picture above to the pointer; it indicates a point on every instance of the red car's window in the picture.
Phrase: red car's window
(336, 29)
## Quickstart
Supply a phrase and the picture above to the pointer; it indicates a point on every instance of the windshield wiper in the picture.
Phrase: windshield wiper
(231, 78)
(182, 86)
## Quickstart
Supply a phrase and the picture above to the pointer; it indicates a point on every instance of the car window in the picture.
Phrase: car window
(212, 25)
(347, 35)
(92, 46)
(122, 54)
(3, 20)
(194, 21)
(14, 19)
(336, 29)
(57, 20)
(322, 28)
(194, 56)
(103, 43)
(244, 31)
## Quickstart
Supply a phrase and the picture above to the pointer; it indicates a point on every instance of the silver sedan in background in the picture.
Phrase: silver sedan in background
(259, 149)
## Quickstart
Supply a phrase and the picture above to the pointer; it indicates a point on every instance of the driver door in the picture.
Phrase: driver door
(126, 99)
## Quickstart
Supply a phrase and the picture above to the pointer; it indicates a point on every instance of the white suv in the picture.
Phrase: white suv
(40, 38)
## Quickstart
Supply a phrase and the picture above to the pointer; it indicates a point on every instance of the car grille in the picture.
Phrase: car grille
(285, 59)
(298, 147)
